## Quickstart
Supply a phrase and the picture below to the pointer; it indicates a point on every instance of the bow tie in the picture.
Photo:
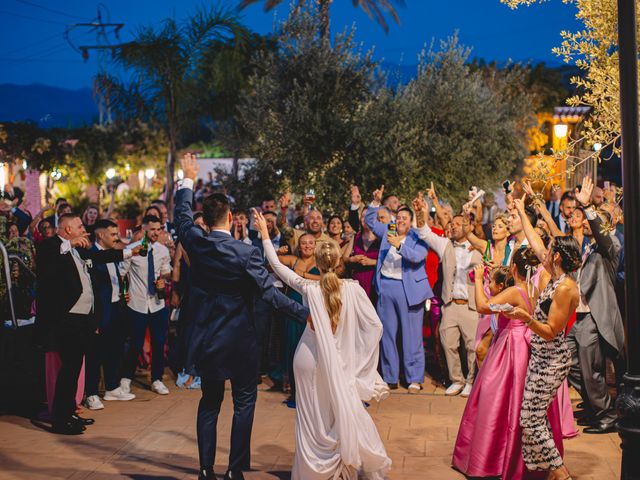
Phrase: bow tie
(459, 245)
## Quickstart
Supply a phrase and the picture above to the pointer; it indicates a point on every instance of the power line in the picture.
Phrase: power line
(34, 44)
(58, 12)
(53, 22)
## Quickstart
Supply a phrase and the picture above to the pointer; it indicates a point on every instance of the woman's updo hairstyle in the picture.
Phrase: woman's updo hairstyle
(328, 260)
(525, 260)
(569, 250)
(501, 276)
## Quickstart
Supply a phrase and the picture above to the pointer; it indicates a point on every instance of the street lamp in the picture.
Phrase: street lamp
(597, 147)
(110, 173)
(560, 130)
(628, 402)
(149, 173)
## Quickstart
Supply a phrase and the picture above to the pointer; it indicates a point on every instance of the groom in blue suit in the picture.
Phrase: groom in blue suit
(227, 277)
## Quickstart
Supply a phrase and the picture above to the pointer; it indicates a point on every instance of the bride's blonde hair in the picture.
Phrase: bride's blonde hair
(327, 260)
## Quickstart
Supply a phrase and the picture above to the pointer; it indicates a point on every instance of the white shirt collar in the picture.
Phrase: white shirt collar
(221, 230)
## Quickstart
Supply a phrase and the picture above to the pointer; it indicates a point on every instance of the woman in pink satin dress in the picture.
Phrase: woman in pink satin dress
(489, 439)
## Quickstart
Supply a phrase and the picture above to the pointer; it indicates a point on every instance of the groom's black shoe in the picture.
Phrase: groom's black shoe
(231, 475)
(206, 473)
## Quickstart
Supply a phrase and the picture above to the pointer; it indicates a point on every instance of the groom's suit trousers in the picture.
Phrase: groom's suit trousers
(244, 392)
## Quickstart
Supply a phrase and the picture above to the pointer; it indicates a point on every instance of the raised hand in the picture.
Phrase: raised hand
(583, 195)
(378, 194)
(284, 201)
(419, 203)
(260, 224)
(431, 192)
(528, 189)
(518, 203)
(190, 166)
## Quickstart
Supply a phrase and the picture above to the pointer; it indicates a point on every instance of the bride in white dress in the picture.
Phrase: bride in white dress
(335, 369)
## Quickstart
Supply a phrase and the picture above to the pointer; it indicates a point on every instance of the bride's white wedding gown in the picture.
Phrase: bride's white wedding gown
(335, 436)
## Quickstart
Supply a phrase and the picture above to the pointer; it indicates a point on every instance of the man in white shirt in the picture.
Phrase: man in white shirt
(108, 342)
(145, 307)
(459, 316)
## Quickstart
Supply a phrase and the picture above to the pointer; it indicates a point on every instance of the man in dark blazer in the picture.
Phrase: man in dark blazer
(107, 349)
(65, 319)
(598, 332)
(227, 276)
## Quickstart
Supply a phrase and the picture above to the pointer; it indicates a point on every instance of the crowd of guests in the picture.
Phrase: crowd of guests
(513, 304)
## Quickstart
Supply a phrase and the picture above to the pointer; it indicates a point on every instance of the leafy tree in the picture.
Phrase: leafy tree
(42, 149)
(300, 115)
(167, 64)
(594, 50)
(373, 8)
(321, 118)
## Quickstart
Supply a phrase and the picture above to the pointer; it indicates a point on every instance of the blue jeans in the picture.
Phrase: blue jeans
(158, 323)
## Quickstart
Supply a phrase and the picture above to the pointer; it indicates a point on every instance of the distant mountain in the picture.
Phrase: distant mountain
(47, 106)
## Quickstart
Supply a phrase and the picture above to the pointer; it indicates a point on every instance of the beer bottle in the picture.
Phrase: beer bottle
(144, 250)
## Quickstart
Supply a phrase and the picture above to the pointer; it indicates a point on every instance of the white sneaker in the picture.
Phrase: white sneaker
(125, 385)
(93, 403)
(414, 388)
(466, 391)
(118, 394)
(454, 389)
(159, 388)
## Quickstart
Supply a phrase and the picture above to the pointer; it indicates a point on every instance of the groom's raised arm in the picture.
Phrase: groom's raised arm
(183, 214)
(269, 293)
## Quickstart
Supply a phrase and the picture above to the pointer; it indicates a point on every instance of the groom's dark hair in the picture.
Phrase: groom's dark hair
(215, 209)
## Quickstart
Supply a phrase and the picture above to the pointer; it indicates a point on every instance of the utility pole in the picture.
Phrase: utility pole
(105, 51)
(628, 403)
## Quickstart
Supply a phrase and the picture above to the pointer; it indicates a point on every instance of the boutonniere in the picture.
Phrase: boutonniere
(89, 263)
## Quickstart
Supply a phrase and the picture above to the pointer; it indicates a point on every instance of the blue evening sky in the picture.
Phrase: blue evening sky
(33, 50)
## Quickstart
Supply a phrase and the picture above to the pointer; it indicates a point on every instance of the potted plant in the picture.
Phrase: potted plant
(128, 210)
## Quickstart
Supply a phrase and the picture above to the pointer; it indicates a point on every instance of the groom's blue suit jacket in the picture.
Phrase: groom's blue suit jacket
(226, 278)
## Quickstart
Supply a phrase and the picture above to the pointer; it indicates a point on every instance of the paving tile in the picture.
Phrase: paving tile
(153, 437)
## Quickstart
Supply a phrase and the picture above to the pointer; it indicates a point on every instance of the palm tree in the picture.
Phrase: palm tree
(373, 8)
(166, 65)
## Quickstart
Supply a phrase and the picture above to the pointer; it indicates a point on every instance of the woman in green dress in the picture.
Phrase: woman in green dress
(304, 264)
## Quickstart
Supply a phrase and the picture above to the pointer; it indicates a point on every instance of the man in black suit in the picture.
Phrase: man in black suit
(567, 206)
(107, 349)
(227, 276)
(65, 319)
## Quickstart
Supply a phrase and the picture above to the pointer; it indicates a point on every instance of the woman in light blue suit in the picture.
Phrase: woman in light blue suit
(402, 286)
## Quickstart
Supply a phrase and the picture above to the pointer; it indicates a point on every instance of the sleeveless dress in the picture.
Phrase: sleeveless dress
(489, 440)
(548, 369)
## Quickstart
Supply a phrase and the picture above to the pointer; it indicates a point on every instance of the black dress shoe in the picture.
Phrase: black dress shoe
(601, 427)
(67, 427)
(82, 421)
(231, 475)
(206, 473)
(392, 386)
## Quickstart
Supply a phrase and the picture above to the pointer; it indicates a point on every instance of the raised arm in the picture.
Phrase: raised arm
(535, 242)
(605, 243)
(437, 243)
(285, 274)
(442, 218)
(354, 209)
(541, 208)
(476, 242)
(183, 214)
